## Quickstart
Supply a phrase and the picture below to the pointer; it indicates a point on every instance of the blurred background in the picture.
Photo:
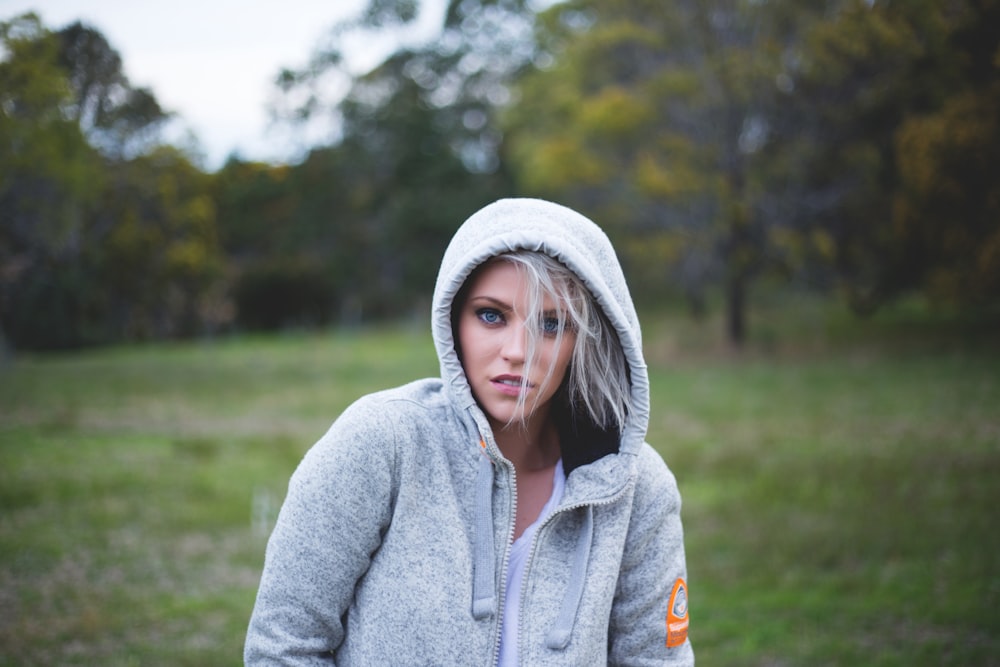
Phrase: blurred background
(804, 195)
(846, 148)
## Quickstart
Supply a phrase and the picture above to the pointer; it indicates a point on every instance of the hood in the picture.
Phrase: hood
(565, 235)
(572, 239)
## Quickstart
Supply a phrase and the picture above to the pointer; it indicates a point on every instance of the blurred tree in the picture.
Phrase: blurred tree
(115, 116)
(847, 142)
(463, 75)
(418, 150)
(662, 118)
(253, 199)
(898, 156)
(94, 245)
(947, 211)
(418, 184)
(281, 261)
(160, 257)
(853, 87)
(49, 176)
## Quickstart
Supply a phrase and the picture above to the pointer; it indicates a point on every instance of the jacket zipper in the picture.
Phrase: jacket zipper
(501, 599)
(531, 558)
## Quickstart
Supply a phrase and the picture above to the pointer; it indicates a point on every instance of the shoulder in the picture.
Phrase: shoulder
(368, 431)
(656, 485)
(425, 394)
(655, 521)
(382, 410)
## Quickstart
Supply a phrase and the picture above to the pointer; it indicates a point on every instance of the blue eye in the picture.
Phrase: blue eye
(489, 316)
(551, 326)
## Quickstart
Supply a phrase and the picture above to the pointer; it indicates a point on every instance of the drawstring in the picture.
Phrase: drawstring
(484, 599)
(558, 637)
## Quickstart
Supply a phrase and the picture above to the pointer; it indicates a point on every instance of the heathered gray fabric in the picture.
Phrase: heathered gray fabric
(375, 552)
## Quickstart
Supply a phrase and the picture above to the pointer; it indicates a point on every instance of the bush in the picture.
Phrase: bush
(277, 294)
(53, 307)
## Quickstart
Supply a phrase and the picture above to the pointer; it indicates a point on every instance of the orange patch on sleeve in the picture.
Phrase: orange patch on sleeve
(677, 615)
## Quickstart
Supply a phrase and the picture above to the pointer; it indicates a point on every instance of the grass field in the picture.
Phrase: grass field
(841, 490)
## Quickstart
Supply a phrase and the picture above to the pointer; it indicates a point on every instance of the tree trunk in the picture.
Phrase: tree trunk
(736, 293)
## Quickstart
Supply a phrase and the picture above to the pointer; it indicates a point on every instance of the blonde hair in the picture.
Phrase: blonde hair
(597, 383)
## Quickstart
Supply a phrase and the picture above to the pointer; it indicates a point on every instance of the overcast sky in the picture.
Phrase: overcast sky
(213, 61)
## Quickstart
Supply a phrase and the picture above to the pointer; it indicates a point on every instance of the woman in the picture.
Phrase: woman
(507, 513)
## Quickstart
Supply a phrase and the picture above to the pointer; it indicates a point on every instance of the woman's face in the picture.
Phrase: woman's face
(492, 332)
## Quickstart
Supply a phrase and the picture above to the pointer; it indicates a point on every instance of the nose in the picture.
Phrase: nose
(515, 343)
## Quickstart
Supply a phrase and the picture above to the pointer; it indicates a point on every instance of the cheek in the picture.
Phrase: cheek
(473, 341)
(468, 333)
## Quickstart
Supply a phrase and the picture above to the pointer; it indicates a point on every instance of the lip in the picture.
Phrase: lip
(510, 385)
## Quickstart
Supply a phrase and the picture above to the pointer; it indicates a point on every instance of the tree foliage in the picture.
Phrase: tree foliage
(901, 102)
(418, 151)
(662, 118)
(103, 235)
(115, 116)
(846, 145)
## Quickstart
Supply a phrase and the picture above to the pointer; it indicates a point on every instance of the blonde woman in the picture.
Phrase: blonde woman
(509, 512)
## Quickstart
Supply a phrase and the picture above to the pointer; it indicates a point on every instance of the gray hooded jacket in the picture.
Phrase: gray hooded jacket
(391, 546)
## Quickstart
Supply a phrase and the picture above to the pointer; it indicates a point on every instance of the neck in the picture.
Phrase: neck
(531, 445)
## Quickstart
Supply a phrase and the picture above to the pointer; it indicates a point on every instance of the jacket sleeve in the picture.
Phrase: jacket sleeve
(338, 505)
(652, 564)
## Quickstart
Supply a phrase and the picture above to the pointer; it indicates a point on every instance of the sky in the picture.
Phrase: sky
(213, 61)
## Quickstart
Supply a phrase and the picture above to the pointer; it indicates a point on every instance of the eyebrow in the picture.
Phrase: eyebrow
(493, 300)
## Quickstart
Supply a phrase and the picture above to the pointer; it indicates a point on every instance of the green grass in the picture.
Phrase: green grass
(840, 512)
(840, 499)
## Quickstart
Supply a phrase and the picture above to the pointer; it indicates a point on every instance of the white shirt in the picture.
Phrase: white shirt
(515, 574)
